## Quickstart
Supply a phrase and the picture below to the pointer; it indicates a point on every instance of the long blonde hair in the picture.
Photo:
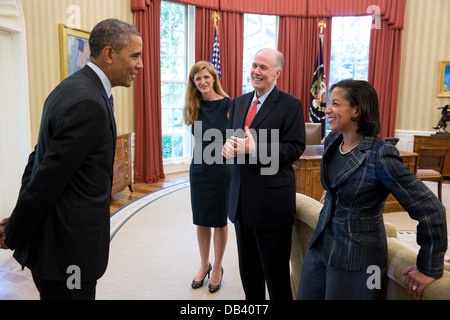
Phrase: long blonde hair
(193, 96)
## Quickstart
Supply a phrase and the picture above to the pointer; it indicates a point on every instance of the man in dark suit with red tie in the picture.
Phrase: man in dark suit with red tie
(59, 228)
(269, 135)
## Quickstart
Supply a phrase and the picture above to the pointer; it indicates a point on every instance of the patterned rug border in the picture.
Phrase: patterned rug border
(121, 216)
(124, 214)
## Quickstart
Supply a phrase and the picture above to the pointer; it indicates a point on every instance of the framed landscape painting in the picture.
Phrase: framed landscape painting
(444, 79)
(74, 50)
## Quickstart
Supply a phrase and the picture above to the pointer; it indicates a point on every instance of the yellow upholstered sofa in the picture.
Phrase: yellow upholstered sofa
(400, 256)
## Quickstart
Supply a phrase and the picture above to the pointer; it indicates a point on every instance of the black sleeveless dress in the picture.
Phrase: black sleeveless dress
(209, 175)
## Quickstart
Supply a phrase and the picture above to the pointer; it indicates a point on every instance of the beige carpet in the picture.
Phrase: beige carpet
(154, 256)
(154, 253)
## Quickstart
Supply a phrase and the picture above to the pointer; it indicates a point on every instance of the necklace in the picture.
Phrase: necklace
(347, 152)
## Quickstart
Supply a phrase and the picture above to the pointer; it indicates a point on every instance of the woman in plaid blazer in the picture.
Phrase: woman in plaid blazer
(358, 172)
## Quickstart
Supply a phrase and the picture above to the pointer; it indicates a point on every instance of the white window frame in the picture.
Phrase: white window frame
(182, 164)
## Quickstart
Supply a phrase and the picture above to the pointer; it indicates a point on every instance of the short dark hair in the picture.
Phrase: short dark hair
(111, 32)
(362, 94)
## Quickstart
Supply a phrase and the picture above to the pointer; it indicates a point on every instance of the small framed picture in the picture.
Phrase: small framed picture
(74, 50)
(444, 79)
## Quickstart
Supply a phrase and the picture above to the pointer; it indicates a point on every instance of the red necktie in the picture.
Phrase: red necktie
(251, 114)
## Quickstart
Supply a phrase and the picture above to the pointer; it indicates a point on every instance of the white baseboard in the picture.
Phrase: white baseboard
(406, 142)
(181, 166)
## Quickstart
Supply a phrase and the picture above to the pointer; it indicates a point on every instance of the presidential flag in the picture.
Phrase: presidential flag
(215, 59)
(319, 92)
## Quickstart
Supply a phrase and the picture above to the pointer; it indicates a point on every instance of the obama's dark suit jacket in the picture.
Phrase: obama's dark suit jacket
(62, 214)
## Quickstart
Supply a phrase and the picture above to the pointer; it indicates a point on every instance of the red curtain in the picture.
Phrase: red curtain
(334, 8)
(204, 34)
(299, 42)
(148, 165)
(298, 8)
(384, 63)
(210, 4)
(384, 73)
(231, 35)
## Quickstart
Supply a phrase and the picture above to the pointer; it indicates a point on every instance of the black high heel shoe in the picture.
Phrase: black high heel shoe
(199, 284)
(215, 287)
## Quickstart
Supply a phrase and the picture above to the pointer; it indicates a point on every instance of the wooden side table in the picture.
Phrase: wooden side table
(308, 172)
(122, 164)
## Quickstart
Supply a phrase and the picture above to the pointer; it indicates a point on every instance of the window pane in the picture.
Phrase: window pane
(361, 71)
(336, 52)
(337, 28)
(176, 138)
(350, 28)
(365, 27)
(177, 146)
(178, 118)
(349, 51)
(167, 146)
(173, 95)
(350, 44)
(260, 31)
(166, 95)
(172, 68)
(350, 48)
(167, 120)
(177, 44)
(165, 41)
(177, 17)
(363, 52)
(334, 73)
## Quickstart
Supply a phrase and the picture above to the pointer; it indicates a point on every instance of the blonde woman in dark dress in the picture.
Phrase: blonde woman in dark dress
(207, 108)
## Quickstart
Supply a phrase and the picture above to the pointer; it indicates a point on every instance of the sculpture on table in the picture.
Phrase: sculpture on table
(442, 124)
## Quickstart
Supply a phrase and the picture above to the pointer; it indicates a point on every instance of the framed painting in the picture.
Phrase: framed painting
(74, 50)
(444, 79)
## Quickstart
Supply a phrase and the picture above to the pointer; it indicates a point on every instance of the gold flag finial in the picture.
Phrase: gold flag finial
(322, 25)
(216, 17)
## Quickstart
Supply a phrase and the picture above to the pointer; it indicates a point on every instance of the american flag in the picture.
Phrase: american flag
(319, 92)
(215, 60)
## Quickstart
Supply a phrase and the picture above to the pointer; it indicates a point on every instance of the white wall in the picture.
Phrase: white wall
(14, 104)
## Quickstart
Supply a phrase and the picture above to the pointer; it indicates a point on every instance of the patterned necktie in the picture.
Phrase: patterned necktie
(251, 114)
(111, 102)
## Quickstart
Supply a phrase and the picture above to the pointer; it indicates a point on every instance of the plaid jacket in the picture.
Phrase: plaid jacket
(351, 222)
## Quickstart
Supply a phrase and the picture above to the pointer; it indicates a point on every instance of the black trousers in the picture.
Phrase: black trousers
(58, 290)
(319, 281)
(264, 259)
